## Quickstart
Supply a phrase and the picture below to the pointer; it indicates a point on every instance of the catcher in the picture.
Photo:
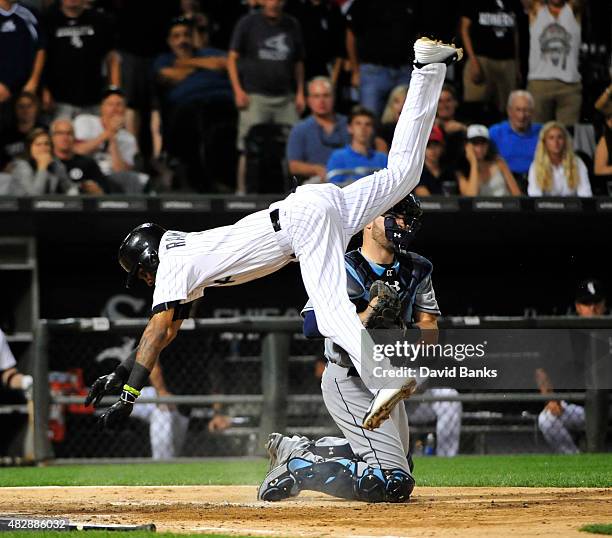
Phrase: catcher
(390, 287)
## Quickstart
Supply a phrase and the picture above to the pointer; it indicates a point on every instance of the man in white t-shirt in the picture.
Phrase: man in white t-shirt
(554, 46)
(112, 146)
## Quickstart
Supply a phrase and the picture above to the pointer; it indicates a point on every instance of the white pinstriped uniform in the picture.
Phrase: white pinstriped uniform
(317, 223)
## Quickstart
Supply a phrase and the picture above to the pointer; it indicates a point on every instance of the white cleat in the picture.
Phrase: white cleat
(385, 401)
(428, 51)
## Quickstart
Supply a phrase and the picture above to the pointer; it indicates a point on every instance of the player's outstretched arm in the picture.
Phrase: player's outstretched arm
(158, 334)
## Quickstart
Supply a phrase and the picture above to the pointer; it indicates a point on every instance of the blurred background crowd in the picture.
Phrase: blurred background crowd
(254, 96)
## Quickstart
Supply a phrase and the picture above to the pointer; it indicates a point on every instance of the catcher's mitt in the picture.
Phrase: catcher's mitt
(385, 311)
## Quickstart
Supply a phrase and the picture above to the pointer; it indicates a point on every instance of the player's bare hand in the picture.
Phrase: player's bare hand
(241, 99)
(554, 407)
(219, 423)
(116, 416)
(102, 386)
(89, 186)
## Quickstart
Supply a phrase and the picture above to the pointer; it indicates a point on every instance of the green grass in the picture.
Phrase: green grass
(603, 528)
(585, 470)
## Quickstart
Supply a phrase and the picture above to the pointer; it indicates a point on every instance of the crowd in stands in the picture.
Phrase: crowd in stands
(238, 96)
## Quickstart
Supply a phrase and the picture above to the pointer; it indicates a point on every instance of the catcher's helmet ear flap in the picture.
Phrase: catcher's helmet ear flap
(410, 210)
(140, 249)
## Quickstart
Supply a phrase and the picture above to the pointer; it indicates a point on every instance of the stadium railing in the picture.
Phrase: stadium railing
(269, 368)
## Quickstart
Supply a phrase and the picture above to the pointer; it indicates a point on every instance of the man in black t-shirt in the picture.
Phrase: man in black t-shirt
(379, 41)
(81, 169)
(323, 29)
(490, 38)
(80, 43)
(266, 69)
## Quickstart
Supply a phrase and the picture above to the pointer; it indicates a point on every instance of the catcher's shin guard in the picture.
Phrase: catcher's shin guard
(340, 478)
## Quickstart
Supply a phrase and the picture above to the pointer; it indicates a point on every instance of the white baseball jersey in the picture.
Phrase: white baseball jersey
(314, 226)
(7, 359)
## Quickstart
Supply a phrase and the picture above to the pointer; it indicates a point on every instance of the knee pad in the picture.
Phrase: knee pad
(392, 486)
(399, 486)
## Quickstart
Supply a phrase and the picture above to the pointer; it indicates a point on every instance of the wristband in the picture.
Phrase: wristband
(138, 377)
(131, 390)
(128, 397)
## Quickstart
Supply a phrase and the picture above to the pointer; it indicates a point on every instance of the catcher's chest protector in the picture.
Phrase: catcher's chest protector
(404, 277)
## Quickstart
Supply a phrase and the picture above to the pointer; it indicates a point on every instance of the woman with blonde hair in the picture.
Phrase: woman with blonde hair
(556, 170)
(391, 114)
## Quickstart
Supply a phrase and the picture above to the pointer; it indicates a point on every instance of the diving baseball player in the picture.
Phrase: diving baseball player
(390, 287)
(313, 226)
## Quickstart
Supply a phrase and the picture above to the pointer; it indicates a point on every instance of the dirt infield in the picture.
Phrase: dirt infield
(234, 509)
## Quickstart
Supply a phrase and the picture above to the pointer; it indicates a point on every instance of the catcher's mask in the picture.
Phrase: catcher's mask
(410, 210)
(140, 249)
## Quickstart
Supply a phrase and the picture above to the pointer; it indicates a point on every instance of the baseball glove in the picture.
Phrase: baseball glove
(385, 307)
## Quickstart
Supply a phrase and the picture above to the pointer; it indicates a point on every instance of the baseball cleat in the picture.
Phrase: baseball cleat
(274, 441)
(428, 51)
(278, 484)
(385, 401)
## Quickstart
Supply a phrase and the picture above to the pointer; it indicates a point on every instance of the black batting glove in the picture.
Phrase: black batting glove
(102, 386)
(115, 417)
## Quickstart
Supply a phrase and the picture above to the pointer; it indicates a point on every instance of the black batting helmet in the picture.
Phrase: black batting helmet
(140, 249)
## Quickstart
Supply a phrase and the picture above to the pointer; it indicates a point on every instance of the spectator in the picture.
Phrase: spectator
(559, 417)
(111, 145)
(490, 38)
(391, 113)
(82, 170)
(358, 159)
(22, 57)
(323, 30)
(517, 137)
(137, 51)
(266, 70)
(603, 157)
(379, 46)
(604, 102)
(488, 174)
(554, 47)
(452, 129)
(80, 47)
(556, 170)
(312, 141)
(195, 96)
(436, 178)
(199, 23)
(40, 173)
(12, 141)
